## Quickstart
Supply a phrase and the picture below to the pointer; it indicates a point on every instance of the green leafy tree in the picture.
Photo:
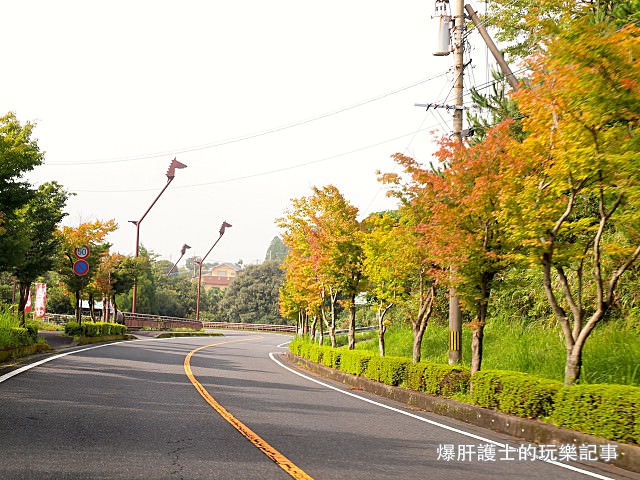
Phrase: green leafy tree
(92, 234)
(38, 248)
(253, 295)
(575, 196)
(277, 251)
(19, 153)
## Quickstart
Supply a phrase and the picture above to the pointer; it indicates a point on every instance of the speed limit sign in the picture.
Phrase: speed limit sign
(82, 252)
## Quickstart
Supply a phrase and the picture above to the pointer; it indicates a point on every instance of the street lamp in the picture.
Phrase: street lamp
(200, 262)
(182, 252)
(171, 173)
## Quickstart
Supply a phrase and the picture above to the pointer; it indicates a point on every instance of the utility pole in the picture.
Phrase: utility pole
(455, 315)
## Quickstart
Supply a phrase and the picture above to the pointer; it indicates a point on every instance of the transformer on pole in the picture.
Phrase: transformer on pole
(442, 24)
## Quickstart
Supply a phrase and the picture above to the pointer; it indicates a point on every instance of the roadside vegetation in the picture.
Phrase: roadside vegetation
(534, 222)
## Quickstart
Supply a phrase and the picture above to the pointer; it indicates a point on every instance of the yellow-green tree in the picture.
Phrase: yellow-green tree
(574, 201)
(92, 234)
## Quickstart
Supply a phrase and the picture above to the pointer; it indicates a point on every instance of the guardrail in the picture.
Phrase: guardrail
(251, 326)
(140, 320)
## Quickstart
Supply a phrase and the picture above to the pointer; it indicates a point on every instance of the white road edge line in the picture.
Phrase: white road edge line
(18, 371)
(426, 420)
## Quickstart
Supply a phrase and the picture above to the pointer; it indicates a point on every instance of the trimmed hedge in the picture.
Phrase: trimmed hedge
(22, 336)
(437, 379)
(515, 393)
(355, 361)
(610, 411)
(94, 329)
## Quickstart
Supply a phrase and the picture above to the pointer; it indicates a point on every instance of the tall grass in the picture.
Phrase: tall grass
(610, 356)
(8, 320)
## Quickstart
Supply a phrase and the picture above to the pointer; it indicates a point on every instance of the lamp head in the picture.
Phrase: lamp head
(224, 226)
(171, 172)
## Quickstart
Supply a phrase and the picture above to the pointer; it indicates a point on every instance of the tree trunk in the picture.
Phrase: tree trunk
(314, 323)
(24, 297)
(332, 325)
(476, 347)
(381, 346)
(92, 310)
(573, 365)
(352, 323)
(382, 328)
(418, 333)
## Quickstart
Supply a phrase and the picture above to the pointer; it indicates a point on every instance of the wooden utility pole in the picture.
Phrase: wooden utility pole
(506, 71)
(455, 315)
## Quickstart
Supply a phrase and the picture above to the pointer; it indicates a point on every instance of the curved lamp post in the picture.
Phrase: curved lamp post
(182, 252)
(201, 261)
(171, 173)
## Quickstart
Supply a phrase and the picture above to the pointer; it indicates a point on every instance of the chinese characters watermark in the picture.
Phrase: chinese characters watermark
(488, 452)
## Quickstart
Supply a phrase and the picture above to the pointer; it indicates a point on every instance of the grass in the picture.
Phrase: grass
(610, 355)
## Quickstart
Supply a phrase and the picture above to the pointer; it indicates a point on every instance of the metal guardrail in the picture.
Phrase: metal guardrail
(251, 326)
(141, 320)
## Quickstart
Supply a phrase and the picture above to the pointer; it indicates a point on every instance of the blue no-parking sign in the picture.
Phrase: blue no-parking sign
(80, 267)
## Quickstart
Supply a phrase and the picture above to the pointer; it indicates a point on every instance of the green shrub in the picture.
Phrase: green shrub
(73, 329)
(314, 352)
(19, 336)
(437, 379)
(91, 329)
(355, 362)
(388, 370)
(331, 357)
(514, 393)
(117, 329)
(610, 411)
(295, 346)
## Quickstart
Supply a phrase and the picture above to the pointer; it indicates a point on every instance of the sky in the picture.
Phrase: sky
(261, 100)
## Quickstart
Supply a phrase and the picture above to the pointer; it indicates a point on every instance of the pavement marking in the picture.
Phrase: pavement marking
(20, 370)
(431, 422)
(280, 460)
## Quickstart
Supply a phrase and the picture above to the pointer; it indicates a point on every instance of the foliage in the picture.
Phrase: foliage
(92, 234)
(610, 411)
(253, 295)
(277, 251)
(324, 263)
(19, 153)
(573, 204)
(437, 379)
(515, 393)
(94, 329)
(387, 370)
(37, 251)
(355, 362)
(529, 26)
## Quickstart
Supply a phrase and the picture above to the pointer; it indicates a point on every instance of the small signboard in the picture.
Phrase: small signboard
(80, 268)
(82, 252)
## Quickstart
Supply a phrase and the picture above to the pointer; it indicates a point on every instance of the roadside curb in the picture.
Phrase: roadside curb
(523, 428)
(44, 350)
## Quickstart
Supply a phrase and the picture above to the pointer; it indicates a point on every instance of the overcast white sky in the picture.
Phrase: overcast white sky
(118, 89)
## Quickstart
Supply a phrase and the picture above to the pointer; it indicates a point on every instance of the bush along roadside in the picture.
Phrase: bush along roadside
(94, 329)
(608, 411)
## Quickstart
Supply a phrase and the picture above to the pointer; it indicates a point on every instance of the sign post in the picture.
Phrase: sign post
(81, 266)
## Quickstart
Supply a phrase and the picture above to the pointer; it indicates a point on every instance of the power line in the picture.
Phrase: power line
(268, 172)
(250, 135)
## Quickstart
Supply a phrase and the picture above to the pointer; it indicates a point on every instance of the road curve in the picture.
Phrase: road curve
(146, 409)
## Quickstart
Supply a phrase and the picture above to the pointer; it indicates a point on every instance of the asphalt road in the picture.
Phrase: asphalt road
(132, 410)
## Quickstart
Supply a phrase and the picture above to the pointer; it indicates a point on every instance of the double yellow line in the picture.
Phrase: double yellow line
(280, 460)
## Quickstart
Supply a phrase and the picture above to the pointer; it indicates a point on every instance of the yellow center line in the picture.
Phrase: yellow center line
(282, 461)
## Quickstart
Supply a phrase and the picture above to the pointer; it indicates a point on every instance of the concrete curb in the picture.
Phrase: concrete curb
(523, 428)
